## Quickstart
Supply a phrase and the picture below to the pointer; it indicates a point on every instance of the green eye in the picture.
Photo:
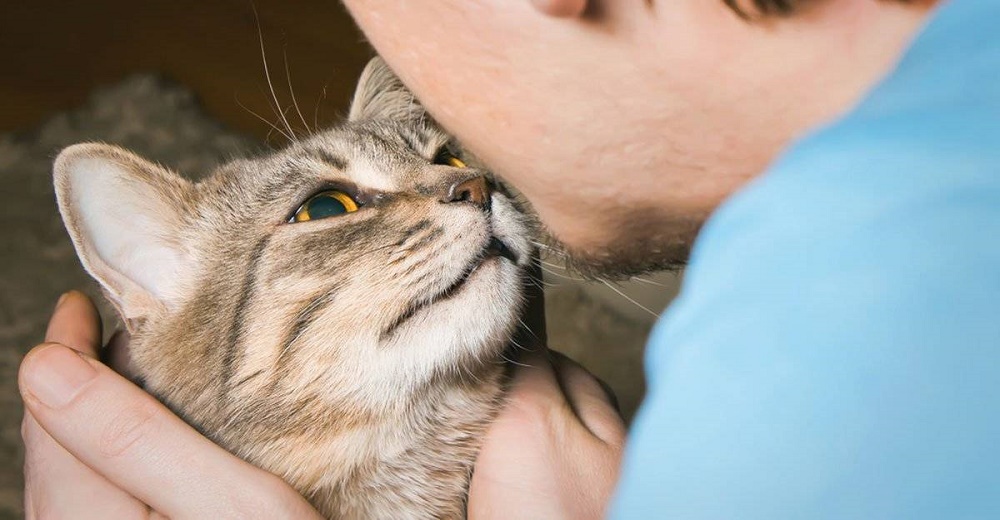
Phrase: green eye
(325, 204)
(446, 158)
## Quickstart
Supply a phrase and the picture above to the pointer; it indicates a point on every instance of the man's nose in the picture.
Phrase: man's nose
(476, 191)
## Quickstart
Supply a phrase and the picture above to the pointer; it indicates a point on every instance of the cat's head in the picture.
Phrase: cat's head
(369, 259)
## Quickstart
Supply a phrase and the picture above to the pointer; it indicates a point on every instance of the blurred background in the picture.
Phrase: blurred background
(56, 53)
(182, 82)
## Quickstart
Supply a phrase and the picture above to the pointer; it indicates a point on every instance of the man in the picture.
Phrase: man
(833, 352)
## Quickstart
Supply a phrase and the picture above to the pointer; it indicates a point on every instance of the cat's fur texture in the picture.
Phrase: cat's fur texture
(335, 353)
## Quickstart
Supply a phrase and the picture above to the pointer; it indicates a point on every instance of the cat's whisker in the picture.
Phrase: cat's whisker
(262, 118)
(291, 91)
(556, 266)
(527, 328)
(471, 374)
(547, 267)
(519, 346)
(557, 252)
(560, 275)
(280, 113)
(549, 248)
(540, 282)
(630, 299)
(647, 281)
(267, 74)
(319, 103)
(512, 362)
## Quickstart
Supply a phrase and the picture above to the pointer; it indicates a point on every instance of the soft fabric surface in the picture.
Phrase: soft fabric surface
(163, 122)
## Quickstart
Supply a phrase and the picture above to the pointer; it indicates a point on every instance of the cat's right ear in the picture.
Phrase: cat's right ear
(124, 215)
(382, 95)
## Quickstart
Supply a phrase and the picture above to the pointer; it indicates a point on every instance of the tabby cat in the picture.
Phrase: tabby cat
(335, 312)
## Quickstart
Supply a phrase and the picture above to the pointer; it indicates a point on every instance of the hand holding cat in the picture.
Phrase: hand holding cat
(97, 446)
(554, 451)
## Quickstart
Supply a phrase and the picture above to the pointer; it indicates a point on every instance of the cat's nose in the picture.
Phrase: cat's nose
(476, 190)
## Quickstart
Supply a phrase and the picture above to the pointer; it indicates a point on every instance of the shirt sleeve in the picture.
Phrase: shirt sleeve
(835, 351)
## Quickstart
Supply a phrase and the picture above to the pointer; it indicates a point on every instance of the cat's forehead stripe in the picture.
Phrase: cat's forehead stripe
(330, 158)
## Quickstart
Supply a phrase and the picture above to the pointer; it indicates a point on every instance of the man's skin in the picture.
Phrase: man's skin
(624, 123)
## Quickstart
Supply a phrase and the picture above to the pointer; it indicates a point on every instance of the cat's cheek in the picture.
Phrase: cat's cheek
(511, 226)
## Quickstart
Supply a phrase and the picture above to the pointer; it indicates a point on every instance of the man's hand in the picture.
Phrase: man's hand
(554, 451)
(97, 446)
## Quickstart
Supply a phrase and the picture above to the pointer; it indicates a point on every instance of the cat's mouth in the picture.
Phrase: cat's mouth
(495, 250)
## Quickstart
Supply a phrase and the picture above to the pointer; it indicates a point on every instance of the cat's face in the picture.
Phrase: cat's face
(356, 265)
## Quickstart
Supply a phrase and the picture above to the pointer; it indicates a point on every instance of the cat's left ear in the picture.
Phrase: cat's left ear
(125, 216)
(381, 95)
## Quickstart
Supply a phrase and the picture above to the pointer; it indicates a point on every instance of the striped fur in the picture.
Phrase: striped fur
(323, 351)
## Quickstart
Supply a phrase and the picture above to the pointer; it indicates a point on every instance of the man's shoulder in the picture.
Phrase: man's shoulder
(836, 337)
(900, 195)
(839, 364)
(833, 351)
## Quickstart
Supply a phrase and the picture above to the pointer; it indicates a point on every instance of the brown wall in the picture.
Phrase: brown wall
(53, 52)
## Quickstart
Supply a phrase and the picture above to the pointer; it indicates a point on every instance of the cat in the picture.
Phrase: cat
(335, 312)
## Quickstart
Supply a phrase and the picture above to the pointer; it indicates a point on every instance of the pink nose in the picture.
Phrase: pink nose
(476, 191)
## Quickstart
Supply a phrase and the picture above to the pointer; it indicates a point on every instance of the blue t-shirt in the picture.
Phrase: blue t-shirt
(835, 351)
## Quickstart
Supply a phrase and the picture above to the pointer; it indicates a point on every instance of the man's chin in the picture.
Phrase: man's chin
(644, 243)
(626, 261)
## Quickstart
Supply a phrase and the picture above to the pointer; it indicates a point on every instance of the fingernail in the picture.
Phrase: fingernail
(62, 299)
(56, 374)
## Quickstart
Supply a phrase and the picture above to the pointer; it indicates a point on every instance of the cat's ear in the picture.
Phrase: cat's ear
(124, 215)
(381, 95)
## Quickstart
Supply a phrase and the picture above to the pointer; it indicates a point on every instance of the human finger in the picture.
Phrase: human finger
(75, 323)
(591, 400)
(57, 485)
(534, 381)
(132, 440)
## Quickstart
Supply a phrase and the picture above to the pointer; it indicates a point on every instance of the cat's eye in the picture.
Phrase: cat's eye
(446, 158)
(325, 204)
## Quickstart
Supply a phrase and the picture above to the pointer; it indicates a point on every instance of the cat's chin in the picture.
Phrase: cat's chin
(469, 294)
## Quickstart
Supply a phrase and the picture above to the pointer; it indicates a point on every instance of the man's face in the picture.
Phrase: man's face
(627, 125)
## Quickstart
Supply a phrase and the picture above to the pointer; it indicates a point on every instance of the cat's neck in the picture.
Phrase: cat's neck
(350, 462)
